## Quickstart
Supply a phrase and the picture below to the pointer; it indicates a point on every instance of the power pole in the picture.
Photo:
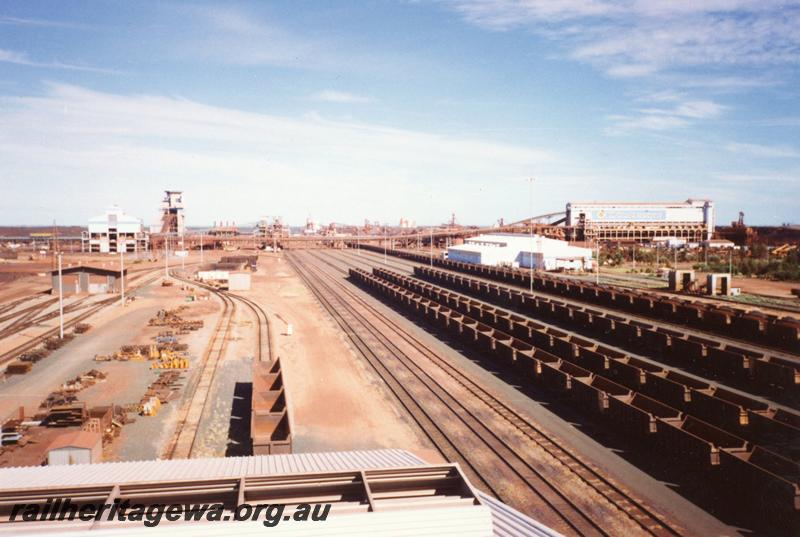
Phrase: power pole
(122, 277)
(166, 256)
(201, 247)
(597, 263)
(530, 226)
(431, 246)
(60, 301)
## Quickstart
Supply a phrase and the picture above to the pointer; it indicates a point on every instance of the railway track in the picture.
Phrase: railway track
(27, 311)
(196, 403)
(35, 316)
(69, 323)
(470, 414)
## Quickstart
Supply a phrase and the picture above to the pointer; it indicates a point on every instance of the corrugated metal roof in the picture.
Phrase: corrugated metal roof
(506, 520)
(169, 470)
(76, 439)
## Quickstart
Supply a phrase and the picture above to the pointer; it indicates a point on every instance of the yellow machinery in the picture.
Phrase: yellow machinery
(783, 250)
(150, 406)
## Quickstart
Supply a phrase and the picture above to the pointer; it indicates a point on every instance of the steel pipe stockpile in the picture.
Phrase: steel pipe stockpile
(672, 346)
(774, 331)
(638, 416)
(670, 387)
(695, 443)
(592, 394)
(761, 480)
(637, 408)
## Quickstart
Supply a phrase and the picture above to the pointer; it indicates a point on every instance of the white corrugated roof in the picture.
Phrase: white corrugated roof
(122, 217)
(171, 470)
(506, 520)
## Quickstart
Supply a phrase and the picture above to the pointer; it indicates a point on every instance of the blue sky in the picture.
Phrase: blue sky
(350, 110)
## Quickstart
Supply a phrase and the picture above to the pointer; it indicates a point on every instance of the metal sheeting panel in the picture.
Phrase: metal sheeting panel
(506, 521)
(170, 470)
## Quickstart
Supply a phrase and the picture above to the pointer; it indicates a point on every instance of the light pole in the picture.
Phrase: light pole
(122, 277)
(60, 301)
(530, 227)
(201, 247)
(431, 246)
(384, 244)
(597, 263)
(166, 256)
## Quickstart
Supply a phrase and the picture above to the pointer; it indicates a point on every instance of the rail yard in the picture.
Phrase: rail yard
(592, 408)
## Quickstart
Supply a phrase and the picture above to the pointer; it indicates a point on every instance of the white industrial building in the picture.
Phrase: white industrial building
(691, 220)
(79, 447)
(114, 232)
(232, 281)
(516, 250)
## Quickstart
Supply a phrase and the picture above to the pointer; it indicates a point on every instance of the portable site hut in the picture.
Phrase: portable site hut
(75, 447)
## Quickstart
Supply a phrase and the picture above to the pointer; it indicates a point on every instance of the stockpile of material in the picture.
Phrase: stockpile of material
(172, 319)
(71, 415)
(18, 367)
(165, 388)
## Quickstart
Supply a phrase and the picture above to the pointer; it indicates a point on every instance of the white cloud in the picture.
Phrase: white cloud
(98, 148)
(655, 122)
(698, 109)
(629, 38)
(235, 35)
(683, 113)
(47, 23)
(333, 96)
(763, 151)
(757, 178)
(19, 58)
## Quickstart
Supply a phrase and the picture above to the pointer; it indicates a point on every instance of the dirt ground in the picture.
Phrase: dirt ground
(335, 401)
(757, 286)
(127, 381)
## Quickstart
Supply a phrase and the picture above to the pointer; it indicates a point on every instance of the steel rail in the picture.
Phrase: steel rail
(505, 454)
(36, 340)
(645, 517)
(196, 396)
